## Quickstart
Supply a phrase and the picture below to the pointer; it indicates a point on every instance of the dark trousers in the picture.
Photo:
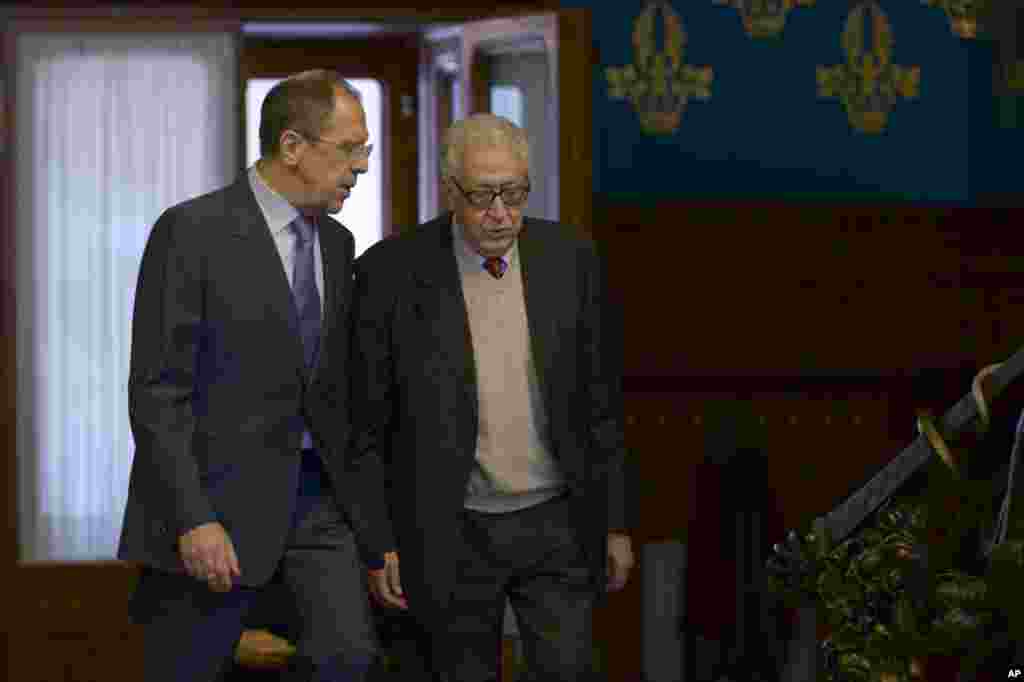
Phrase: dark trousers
(190, 632)
(533, 558)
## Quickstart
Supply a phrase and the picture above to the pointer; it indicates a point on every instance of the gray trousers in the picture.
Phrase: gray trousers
(533, 558)
(190, 632)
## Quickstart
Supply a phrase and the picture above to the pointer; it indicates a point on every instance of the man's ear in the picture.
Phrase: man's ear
(288, 146)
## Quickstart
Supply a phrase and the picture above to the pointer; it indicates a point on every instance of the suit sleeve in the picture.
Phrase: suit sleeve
(602, 377)
(371, 395)
(166, 331)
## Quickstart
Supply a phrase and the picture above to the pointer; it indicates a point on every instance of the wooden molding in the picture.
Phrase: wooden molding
(575, 162)
(796, 290)
(427, 10)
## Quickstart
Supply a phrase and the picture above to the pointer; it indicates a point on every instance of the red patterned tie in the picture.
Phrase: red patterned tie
(495, 266)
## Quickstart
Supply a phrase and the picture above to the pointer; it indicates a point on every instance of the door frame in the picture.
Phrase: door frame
(567, 39)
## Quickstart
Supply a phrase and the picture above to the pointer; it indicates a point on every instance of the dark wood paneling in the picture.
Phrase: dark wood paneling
(72, 624)
(833, 438)
(479, 70)
(823, 437)
(826, 326)
(749, 289)
(30, 22)
(820, 437)
(576, 59)
(323, 10)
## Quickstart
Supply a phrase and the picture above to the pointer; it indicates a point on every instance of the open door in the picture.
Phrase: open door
(534, 69)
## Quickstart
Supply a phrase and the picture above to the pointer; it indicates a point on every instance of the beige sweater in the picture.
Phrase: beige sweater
(514, 466)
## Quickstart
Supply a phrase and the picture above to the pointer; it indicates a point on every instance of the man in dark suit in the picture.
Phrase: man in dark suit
(490, 409)
(238, 398)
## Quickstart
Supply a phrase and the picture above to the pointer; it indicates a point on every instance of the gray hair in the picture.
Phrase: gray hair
(481, 129)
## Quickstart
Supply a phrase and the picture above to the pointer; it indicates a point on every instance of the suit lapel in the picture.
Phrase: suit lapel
(437, 277)
(250, 228)
(542, 283)
(542, 287)
(335, 270)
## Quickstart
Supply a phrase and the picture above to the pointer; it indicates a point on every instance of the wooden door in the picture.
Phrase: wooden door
(565, 38)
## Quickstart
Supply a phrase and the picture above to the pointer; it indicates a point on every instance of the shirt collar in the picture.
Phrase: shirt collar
(471, 255)
(276, 209)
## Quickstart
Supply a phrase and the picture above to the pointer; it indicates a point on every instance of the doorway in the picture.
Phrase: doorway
(519, 89)
(433, 74)
(509, 67)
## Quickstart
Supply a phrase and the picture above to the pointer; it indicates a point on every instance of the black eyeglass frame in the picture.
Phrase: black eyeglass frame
(495, 193)
(347, 151)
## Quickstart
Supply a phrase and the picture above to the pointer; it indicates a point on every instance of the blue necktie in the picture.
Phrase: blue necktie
(307, 305)
(307, 298)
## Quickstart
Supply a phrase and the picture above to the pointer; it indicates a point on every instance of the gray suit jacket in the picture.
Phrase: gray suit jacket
(217, 382)
(415, 412)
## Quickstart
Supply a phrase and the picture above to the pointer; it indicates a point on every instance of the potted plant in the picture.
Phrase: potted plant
(909, 588)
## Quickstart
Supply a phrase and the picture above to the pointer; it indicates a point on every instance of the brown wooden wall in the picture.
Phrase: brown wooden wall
(827, 325)
(69, 623)
(752, 289)
(830, 324)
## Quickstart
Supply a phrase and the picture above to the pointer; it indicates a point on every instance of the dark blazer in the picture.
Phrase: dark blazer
(217, 382)
(415, 408)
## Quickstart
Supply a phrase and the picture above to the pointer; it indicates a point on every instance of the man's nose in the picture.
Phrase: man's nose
(498, 208)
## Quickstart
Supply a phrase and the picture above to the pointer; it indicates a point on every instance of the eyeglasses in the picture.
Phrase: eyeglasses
(513, 197)
(352, 152)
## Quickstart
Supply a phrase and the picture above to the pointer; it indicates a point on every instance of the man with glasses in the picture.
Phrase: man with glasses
(239, 403)
(489, 409)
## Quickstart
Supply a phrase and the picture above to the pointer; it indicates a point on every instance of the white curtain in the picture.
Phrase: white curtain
(111, 130)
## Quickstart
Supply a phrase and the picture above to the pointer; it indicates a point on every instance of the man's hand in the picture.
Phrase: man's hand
(209, 556)
(386, 585)
(620, 561)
